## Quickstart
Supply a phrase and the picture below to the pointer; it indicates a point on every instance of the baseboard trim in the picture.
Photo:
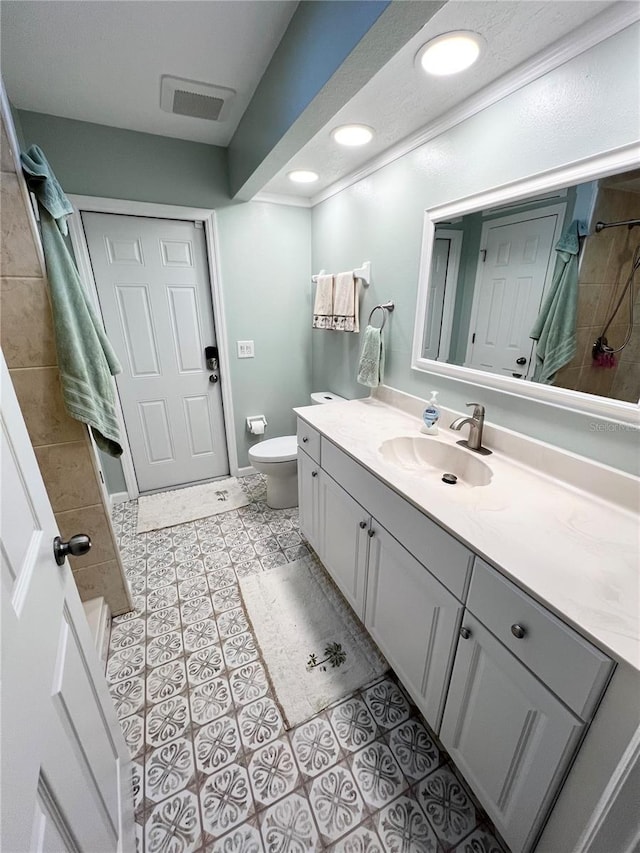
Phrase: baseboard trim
(118, 498)
(246, 472)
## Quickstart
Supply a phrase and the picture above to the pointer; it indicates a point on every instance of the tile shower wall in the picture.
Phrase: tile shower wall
(214, 769)
(61, 444)
(604, 271)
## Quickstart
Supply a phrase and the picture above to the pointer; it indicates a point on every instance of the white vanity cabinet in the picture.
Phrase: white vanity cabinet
(309, 499)
(504, 724)
(413, 619)
(344, 541)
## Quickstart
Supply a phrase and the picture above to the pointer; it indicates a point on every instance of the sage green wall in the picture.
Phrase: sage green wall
(93, 159)
(567, 115)
(266, 280)
(264, 253)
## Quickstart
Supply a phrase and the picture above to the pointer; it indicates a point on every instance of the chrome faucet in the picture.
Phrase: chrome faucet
(476, 425)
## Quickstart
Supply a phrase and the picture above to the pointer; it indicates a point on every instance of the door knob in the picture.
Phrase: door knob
(521, 360)
(518, 631)
(314, 473)
(76, 546)
(465, 633)
(371, 533)
(363, 524)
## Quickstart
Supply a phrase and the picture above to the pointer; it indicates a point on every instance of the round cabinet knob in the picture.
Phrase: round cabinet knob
(76, 547)
(305, 439)
(314, 473)
(521, 360)
(465, 633)
(363, 524)
(518, 631)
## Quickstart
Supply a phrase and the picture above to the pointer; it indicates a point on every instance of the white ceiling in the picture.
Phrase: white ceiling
(401, 99)
(102, 61)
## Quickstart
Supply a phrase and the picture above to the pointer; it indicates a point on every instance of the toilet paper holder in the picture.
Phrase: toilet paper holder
(256, 424)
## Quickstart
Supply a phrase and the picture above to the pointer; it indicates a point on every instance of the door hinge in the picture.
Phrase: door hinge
(101, 477)
(483, 254)
(473, 338)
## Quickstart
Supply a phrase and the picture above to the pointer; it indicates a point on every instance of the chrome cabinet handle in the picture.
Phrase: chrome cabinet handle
(305, 439)
(518, 631)
(465, 633)
(363, 524)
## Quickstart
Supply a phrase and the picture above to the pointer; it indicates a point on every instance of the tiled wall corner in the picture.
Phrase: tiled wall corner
(61, 443)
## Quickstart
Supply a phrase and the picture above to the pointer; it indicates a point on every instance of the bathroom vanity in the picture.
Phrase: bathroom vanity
(486, 597)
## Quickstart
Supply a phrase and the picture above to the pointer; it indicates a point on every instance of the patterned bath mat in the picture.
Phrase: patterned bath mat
(315, 649)
(179, 505)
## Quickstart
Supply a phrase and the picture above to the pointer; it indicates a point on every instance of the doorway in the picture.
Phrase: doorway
(154, 293)
(515, 267)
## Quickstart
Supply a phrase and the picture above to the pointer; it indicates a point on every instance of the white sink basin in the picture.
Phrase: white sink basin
(433, 457)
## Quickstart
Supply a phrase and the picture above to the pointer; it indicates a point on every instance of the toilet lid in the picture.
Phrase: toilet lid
(282, 449)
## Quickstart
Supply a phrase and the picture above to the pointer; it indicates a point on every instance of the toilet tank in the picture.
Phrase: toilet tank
(320, 397)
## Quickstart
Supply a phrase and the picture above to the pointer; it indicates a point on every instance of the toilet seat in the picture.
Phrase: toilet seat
(283, 449)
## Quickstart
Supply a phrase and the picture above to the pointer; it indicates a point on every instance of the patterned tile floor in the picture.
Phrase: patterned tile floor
(214, 768)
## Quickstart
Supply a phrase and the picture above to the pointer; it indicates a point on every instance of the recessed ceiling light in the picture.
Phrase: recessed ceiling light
(450, 53)
(352, 134)
(303, 176)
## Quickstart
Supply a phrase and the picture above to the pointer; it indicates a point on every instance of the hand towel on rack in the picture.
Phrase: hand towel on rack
(346, 310)
(323, 305)
(371, 367)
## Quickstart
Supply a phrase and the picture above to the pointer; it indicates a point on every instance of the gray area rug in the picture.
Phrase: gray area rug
(315, 649)
(180, 505)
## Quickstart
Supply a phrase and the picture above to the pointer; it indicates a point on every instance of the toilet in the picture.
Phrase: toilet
(277, 458)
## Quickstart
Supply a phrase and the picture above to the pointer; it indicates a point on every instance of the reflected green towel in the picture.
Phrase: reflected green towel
(555, 328)
(85, 356)
(371, 367)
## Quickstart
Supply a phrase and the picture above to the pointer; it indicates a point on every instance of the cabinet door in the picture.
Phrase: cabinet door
(414, 619)
(344, 526)
(509, 735)
(308, 499)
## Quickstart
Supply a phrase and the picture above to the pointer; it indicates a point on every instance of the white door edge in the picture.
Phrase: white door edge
(159, 211)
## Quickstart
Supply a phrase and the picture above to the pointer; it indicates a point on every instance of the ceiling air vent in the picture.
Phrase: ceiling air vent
(193, 99)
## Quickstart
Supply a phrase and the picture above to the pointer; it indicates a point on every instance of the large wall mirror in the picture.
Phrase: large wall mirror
(514, 280)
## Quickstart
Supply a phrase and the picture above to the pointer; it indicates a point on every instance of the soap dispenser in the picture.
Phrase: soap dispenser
(431, 416)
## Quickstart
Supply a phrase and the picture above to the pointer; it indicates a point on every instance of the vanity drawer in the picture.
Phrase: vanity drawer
(576, 671)
(446, 558)
(309, 440)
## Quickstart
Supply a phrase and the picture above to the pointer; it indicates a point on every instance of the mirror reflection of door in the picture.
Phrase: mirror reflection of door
(445, 264)
(515, 266)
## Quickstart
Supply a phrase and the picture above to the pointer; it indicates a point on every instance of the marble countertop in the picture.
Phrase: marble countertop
(574, 551)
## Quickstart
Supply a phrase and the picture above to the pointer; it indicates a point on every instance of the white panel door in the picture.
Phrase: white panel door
(66, 773)
(509, 735)
(153, 287)
(414, 619)
(344, 525)
(519, 261)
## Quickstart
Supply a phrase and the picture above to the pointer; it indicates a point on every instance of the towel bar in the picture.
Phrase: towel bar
(384, 307)
(363, 273)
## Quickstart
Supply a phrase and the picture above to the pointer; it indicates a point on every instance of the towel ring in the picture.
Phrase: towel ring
(384, 307)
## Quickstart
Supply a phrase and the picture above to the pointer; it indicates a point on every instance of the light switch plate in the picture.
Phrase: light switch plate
(245, 349)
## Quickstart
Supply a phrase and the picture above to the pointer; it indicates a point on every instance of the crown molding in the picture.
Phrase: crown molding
(276, 198)
(598, 29)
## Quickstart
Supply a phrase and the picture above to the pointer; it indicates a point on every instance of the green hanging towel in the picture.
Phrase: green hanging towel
(555, 328)
(85, 357)
(371, 367)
